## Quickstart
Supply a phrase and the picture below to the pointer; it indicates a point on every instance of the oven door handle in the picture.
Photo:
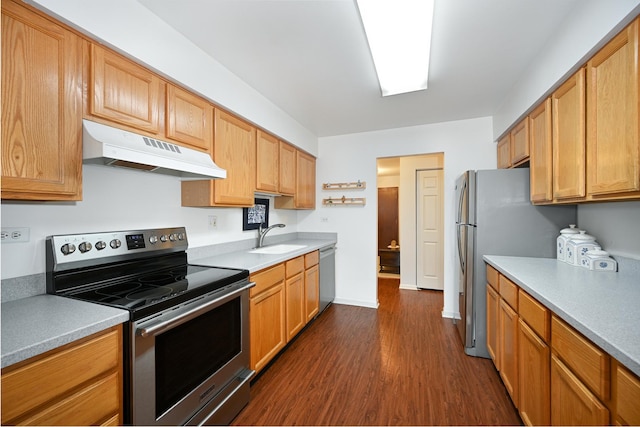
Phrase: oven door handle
(179, 319)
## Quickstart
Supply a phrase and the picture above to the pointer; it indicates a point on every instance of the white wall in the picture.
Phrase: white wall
(132, 29)
(120, 199)
(575, 41)
(615, 225)
(466, 144)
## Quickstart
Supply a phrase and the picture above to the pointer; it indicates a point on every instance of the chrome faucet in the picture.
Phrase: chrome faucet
(262, 232)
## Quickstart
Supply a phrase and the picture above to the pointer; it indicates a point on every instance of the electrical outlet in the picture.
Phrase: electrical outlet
(324, 219)
(213, 222)
(14, 234)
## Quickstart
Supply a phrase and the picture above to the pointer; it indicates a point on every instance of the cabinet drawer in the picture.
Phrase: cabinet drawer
(89, 406)
(60, 371)
(587, 361)
(492, 277)
(509, 292)
(265, 279)
(535, 314)
(294, 266)
(311, 259)
(628, 411)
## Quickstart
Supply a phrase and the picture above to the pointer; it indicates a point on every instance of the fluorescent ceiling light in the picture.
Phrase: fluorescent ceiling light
(399, 35)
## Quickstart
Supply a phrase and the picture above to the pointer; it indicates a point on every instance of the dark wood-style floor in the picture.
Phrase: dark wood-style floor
(402, 364)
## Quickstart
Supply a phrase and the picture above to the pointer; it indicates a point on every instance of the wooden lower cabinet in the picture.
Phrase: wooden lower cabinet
(508, 333)
(628, 397)
(295, 296)
(493, 305)
(77, 384)
(572, 403)
(534, 380)
(311, 285)
(267, 321)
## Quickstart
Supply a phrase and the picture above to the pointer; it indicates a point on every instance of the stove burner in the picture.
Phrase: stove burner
(152, 293)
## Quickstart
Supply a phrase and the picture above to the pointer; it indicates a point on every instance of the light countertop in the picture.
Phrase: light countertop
(603, 306)
(254, 262)
(34, 325)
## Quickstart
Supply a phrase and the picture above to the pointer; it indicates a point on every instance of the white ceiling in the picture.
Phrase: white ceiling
(311, 58)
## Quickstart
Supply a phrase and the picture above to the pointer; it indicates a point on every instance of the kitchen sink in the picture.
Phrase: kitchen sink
(276, 249)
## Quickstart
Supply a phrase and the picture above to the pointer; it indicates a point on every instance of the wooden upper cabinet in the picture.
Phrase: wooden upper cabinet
(568, 110)
(306, 182)
(520, 142)
(268, 161)
(541, 153)
(234, 149)
(41, 107)
(189, 119)
(124, 92)
(613, 143)
(504, 152)
(287, 178)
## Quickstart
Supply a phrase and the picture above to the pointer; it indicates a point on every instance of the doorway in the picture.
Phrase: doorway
(402, 172)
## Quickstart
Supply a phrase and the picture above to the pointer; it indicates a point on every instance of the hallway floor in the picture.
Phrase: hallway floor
(402, 364)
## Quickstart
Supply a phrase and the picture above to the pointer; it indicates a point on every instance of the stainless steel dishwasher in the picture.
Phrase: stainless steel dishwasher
(327, 276)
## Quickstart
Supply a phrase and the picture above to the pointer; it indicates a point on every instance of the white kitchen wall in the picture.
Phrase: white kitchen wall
(575, 41)
(132, 29)
(615, 225)
(466, 144)
(120, 199)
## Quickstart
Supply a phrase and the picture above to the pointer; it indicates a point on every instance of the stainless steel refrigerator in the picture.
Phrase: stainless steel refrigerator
(495, 217)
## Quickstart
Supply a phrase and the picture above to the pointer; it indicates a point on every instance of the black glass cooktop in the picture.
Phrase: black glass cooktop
(156, 290)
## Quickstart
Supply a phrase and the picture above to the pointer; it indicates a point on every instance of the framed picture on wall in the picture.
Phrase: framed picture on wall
(257, 214)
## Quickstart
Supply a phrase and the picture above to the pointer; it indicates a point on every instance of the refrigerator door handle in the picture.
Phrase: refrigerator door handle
(461, 200)
(460, 248)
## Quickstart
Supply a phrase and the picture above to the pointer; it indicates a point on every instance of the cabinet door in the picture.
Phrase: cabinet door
(493, 305)
(287, 181)
(267, 325)
(571, 401)
(509, 349)
(41, 108)
(540, 163)
(295, 296)
(520, 142)
(534, 377)
(306, 181)
(234, 149)
(628, 401)
(267, 162)
(568, 110)
(312, 292)
(504, 152)
(124, 92)
(613, 143)
(189, 119)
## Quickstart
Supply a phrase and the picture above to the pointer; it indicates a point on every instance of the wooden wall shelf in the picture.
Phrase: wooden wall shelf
(354, 201)
(360, 185)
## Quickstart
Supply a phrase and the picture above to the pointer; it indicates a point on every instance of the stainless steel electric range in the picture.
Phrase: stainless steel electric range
(186, 349)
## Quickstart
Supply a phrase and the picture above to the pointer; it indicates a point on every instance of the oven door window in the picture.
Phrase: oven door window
(190, 353)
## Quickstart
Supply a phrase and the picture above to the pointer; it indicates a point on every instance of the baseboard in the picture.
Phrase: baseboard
(408, 287)
(357, 303)
(450, 314)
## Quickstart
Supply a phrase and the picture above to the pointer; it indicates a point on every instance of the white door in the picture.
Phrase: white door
(429, 251)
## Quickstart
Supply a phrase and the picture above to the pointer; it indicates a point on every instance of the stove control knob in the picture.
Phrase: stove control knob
(164, 238)
(84, 247)
(115, 243)
(100, 245)
(173, 237)
(68, 248)
(153, 239)
(181, 236)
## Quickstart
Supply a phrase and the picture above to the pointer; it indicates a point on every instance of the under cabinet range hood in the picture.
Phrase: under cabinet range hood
(106, 145)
